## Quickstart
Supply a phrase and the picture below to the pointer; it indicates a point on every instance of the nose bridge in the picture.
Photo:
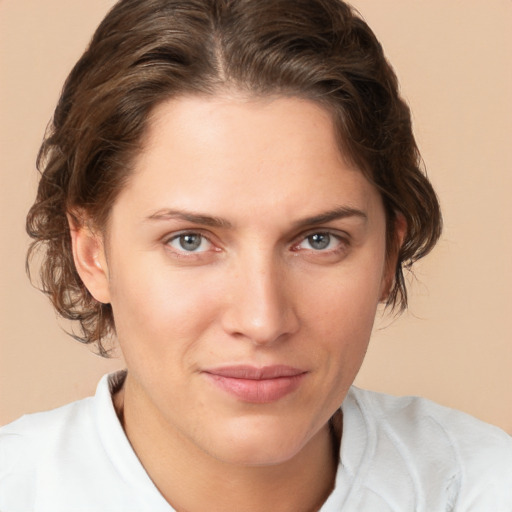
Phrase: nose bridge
(261, 306)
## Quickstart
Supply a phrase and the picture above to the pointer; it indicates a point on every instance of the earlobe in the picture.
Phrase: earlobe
(90, 261)
(392, 256)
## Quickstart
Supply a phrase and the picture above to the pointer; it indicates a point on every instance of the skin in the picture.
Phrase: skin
(258, 290)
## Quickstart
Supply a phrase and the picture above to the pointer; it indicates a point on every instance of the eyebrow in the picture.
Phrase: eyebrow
(341, 212)
(193, 217)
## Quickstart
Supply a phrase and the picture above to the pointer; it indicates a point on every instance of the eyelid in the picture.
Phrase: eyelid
(186, 231)
(342, 236)
(194, 231)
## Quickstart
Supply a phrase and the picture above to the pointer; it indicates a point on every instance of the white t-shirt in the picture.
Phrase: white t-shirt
(397, 454)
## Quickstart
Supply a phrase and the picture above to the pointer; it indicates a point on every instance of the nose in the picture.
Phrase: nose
(260, 305)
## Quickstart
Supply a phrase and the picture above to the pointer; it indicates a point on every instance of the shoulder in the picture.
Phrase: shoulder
(411, 416)
(76, 457)
(47, 423)
(438, 442)
(37, 432)
(27, 444)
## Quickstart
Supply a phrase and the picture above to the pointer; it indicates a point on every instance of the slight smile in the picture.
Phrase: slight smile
(257, 385)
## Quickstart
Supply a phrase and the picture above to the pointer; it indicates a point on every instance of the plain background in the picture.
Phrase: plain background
(455, 343)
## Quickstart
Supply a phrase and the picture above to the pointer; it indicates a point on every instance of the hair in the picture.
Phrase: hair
(145, 52)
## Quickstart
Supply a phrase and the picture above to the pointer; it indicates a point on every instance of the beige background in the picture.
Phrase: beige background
(455, 344)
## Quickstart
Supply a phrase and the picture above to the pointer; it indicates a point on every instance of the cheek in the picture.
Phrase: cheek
(159, 313)
(348, 297)
(341, 317)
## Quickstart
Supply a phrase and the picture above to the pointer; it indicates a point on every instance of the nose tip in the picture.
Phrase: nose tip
(261, 308)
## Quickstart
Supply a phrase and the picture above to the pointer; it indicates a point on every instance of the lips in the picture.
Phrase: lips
(256, 385)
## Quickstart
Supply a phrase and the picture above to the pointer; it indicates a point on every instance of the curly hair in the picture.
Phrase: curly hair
(145, 52)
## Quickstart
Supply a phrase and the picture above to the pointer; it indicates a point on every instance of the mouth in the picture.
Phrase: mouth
(256, 385)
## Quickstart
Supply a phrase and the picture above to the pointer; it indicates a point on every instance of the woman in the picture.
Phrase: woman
(231, 188)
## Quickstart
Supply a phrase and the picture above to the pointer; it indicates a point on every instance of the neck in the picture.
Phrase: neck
(191, 479)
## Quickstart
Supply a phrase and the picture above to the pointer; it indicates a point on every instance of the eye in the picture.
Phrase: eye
(189, 242)
(321, 241)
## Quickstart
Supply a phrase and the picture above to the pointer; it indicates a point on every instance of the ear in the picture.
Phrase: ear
(392, 255)
(90, 259)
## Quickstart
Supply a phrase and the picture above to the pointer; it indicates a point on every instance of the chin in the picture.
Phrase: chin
(257, 454)
(258, 443)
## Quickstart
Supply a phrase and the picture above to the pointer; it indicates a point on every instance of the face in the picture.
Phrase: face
(245, 262)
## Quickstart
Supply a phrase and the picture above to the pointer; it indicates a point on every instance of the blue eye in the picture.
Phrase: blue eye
(189, 242)
(320, 242)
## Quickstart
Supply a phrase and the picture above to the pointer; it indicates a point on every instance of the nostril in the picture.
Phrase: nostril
(260, 325)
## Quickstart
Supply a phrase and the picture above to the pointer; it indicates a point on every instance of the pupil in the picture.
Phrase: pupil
(190, 242)
(319, 240)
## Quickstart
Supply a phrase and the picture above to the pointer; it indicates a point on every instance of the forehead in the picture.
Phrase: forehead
(265, 126)
(227, 154)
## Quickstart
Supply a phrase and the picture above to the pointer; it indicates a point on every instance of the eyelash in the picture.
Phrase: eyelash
(342, 245)
(183, 253)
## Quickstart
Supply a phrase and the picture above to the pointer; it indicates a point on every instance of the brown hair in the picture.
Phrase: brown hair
(147, 51)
